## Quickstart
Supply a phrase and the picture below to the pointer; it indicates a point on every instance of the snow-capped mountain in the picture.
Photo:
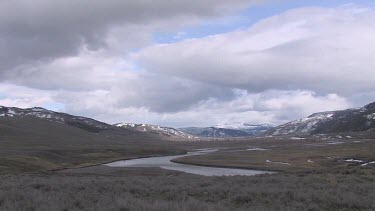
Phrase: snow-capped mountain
(228, 130)
(88, 124)
(350, 120)
(166, 131)
(242, 125)
(223, 133)
(250, 129)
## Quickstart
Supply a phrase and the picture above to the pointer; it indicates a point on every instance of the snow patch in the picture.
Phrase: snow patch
(354, 160)
(256, 149)
(297, 138)
(371, 116)
(365, 164)
(38, 109)
(335, 142)
(125, 125)
(278, 162)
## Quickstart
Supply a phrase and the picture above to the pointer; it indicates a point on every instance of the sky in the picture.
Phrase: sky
(186, 63)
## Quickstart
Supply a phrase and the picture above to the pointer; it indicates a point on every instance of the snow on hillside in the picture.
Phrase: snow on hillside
(349, 120)
(242, 126)
(42, 113)
(35, 112)
(167, 131)
(303, 126)
(250, 129)
(228, 129)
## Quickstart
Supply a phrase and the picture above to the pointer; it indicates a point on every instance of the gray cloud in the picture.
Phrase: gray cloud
(165, 94)
(83, 72)
(40, 30)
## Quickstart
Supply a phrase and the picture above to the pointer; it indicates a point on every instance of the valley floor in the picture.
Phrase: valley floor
(312, 175)
(285, 155)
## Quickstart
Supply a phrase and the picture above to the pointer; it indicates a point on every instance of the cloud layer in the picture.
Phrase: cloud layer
(99, 59)
(325, 50)
(42, 29)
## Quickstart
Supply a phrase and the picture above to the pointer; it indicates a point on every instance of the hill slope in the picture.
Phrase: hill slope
(350, 120)
(39, 139)
(84, 123)
(155, 129)
(226, 130)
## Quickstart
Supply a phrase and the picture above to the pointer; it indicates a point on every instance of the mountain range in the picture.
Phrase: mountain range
(349, 120)
(164, 131)
(228, 130)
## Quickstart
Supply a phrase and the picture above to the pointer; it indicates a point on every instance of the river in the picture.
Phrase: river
(166, 163)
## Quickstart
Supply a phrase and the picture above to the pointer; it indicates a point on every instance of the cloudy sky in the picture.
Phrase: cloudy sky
(187, 63)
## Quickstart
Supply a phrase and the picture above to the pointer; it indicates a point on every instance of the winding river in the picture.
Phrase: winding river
(165, 163)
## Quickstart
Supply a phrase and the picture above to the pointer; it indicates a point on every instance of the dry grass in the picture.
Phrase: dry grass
(295, 153)
(136, 189)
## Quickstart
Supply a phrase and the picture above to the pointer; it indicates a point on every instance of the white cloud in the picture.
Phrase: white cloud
(270, 106)
(89, 70)
(320, 49)
(23, 97)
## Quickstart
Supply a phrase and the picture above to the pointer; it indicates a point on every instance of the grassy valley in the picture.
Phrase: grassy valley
(46, 165)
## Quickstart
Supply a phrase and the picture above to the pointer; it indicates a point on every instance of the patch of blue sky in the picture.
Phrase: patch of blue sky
(135, 50)
(54, 106)
(247, 17)
(3, 96)
(137, 68)
(201, 30)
